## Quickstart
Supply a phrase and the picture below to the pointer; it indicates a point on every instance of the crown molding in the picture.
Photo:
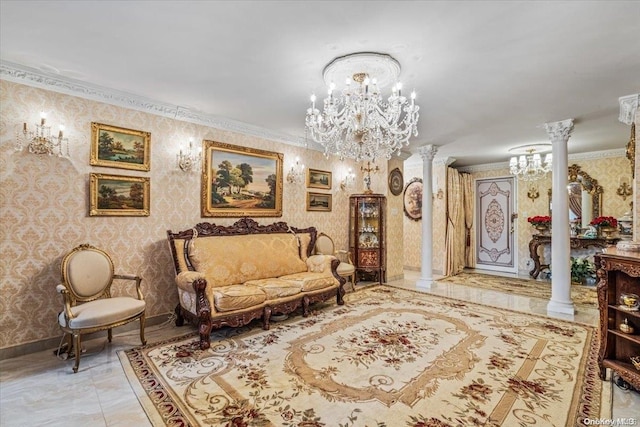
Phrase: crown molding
(594, 155)
(31, 77)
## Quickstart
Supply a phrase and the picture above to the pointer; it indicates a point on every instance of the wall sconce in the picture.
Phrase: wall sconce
(624, 190)
(533, 193)
(296, 174)
(188, 159)
(40, 140)
(437, 193)
(348, 181)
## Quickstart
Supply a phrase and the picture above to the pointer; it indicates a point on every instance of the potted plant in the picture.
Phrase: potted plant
(541, 223)
(606, 225)
(581, 270)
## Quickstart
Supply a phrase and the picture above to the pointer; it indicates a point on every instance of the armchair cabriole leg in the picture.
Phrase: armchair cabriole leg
(179, 316)
(142, 323)
(78, 350)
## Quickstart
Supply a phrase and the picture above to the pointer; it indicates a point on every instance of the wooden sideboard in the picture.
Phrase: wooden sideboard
(618, 272)
(538, 240)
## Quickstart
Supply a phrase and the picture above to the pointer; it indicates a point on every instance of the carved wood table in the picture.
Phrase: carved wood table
(538, 240)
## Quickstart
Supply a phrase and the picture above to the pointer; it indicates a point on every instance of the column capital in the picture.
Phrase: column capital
(628, 108)
(445, 161)
(559, 131)
(428, 152)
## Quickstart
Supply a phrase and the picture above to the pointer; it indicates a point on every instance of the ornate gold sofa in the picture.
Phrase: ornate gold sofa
(228, 276)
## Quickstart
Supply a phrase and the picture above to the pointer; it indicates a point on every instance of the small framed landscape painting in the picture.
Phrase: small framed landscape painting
(122, 148)
(116, 195)
(318, 179)
(240, 181)
(318, 202)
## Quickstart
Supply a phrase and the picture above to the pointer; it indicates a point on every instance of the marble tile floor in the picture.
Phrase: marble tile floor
(40, 389)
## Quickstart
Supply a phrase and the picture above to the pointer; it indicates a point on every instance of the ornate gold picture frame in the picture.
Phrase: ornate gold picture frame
(318, 179)
(240, 181)
(122, 148)
(412, 199)
(117, 195)
(320, 202)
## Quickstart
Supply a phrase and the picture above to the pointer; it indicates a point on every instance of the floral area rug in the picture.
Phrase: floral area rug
(387, 358)
(581, 295)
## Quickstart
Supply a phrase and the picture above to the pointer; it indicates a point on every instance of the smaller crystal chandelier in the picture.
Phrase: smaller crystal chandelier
(186, 160)
(40, 140)
(358, 122)
(296, 174)
(529, 166)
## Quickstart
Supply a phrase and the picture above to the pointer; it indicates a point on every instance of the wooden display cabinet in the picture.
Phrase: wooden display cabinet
(618, 274)
(367, 236)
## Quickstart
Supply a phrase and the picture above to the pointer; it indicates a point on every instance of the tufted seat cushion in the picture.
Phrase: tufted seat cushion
(276, 288)
(310, 281)
(237, 297)
(102, 312)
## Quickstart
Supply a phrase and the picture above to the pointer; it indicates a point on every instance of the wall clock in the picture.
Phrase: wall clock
(395, 182)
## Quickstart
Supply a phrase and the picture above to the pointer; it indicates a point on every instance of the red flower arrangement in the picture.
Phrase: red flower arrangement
(539, 220)
(604, 221)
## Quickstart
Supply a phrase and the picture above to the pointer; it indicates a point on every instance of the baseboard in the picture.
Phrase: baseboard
(54, 342)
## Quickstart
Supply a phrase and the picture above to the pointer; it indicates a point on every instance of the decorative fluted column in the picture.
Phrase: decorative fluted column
(427, 152)
(629, 114)
(560, 301)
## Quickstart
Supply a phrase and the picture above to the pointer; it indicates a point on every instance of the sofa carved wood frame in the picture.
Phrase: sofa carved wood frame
(203, 319)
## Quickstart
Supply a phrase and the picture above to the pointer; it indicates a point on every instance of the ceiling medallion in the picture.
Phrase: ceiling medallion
(358, 122)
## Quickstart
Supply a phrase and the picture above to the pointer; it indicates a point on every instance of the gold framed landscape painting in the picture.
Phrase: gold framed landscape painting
(318, 179)
(122, 148)
(117, 195)
(240, 181)
(318, 202)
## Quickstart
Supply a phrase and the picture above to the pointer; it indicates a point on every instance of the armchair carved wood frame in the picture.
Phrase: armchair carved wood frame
(87, 275)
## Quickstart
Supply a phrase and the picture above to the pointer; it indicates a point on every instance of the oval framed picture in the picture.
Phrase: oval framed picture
(396, 182)
(412, 199)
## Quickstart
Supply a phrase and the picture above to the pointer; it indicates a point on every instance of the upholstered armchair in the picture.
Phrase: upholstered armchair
(87, 275)
(325, 246)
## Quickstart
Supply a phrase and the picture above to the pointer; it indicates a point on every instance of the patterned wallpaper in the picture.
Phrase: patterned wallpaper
(413, 229)
(608, 171)
(44, 205)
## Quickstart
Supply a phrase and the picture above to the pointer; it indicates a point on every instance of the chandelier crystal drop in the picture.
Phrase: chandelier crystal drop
(357, 122)
(530, 166)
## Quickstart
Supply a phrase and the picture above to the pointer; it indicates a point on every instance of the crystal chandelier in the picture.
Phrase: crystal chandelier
(530, 166)
(358, 122)
(40, 140)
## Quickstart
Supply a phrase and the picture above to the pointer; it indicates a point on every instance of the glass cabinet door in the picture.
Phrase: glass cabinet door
(366, 228)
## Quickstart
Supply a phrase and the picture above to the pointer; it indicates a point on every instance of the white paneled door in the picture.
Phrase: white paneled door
(495, 218)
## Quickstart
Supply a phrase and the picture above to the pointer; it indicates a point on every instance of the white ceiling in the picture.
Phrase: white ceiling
(488, 74)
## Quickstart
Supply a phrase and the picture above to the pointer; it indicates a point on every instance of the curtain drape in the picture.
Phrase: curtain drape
(455, 234)
(469, 203)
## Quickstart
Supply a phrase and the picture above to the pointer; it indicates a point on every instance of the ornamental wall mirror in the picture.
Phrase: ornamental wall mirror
(585, 196)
